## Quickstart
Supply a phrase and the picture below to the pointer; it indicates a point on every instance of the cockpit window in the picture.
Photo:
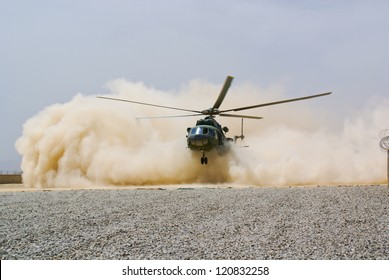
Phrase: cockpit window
(199, 130)
(195, 130)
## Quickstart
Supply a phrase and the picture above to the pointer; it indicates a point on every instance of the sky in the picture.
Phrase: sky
(51, 50)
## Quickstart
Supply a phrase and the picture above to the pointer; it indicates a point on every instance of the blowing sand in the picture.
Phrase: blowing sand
(186, 222)
(91, 142)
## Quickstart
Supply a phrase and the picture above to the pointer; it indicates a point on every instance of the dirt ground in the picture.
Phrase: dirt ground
(10, 179)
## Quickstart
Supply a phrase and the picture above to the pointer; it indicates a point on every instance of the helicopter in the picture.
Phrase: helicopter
(208, 134)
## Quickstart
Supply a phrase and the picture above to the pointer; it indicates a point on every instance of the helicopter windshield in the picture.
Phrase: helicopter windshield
(199, 130)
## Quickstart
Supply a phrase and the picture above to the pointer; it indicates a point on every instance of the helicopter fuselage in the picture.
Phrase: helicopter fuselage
(206, 136)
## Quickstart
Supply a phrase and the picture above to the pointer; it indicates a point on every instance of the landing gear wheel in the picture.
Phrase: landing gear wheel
(204, 159)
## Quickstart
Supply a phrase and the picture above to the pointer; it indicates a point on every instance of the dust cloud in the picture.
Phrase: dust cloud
(90, 142)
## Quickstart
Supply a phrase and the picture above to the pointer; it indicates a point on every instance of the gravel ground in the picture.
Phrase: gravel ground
(200, 223)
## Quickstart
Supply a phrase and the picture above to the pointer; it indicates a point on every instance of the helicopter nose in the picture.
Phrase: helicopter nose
(198, 140)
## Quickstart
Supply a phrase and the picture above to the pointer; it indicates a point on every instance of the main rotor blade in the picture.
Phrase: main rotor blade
(149, 104)
(276, 102)
(240, 116)
(168, 117)
(223, 93)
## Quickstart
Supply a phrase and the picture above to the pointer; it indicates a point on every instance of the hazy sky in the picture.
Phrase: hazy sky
(50, 50)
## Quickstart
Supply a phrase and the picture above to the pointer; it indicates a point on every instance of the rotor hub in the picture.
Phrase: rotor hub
(210, 112)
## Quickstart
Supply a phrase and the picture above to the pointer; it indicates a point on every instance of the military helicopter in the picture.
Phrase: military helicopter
(208, 134)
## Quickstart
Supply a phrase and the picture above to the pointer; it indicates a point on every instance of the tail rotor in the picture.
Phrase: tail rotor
(241, 136)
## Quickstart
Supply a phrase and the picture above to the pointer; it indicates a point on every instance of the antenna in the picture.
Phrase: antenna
(384, 145)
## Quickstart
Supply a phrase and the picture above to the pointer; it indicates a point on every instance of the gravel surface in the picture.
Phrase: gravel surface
(200, 223)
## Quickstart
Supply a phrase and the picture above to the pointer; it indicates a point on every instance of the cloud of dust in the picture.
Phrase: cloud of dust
(91, 142)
